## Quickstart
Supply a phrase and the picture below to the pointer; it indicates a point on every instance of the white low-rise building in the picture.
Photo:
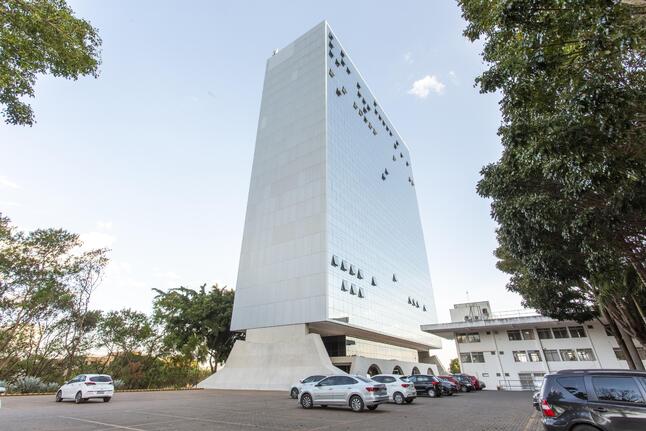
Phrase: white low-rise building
(514, 350)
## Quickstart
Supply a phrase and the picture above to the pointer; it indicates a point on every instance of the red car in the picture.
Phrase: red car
(474, 381)
(457, 383)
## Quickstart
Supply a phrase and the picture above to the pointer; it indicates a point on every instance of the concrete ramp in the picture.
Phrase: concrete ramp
(272, 359)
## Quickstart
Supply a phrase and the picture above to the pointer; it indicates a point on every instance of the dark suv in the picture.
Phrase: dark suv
(426, 385)
(593, 400)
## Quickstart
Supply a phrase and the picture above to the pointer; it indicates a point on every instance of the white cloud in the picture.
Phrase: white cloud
(106, 225)
(408, 57)
(92, 240)
(6, 182)
(422, 87)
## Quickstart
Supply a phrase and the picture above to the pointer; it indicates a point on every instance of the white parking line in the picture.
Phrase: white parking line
(166, 422)
(211, 420)
(102, 423)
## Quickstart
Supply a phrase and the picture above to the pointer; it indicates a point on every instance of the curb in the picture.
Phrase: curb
(116, 391)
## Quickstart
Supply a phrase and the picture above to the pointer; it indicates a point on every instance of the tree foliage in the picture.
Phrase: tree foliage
(41, 37)
(454, 366)
(196, 322)
(569, 191)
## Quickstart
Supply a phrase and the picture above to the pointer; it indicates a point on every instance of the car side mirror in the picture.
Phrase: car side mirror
(302, 380)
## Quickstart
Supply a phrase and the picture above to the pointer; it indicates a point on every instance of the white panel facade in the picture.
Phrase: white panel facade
(281, 275)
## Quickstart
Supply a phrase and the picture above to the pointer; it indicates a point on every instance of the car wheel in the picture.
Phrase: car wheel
(431, 393)
(59, 396)
(398, 397)
(373, 407)
(78, 398)
(294, 393)
(463, 389)
(356, 403)
(306, 401)
(106, 399)
(409, 400)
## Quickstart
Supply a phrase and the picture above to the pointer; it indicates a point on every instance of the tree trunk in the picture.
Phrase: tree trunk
(639, 365)
(617, 334)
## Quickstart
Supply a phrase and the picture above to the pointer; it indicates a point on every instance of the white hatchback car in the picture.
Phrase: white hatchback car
(85, 386)
(298, 387)
(399, 388)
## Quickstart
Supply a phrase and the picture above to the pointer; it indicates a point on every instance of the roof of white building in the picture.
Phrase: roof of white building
(447, 330)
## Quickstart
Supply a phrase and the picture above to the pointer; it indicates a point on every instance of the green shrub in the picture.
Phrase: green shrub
(28, 384)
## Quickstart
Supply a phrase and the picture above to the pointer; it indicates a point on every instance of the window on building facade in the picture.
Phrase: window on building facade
(359, 274)
(459, 338)
(528, 334)
(394, 275)
(497, 374)
(423, 307)
(344, 286)
(352, 270)
(544, 333)
(619, 354)
(493, 352)
(335, 260)
(473, 337)
(477, 357)
(520, 356)
(465, 358)
(551, 355)
(331, 73)
(353, 289)
(577, 332)
(585, 354)
(568, 355)
(534, 356)
(514, 335)
(374, 281)
(485, 374)
(360, 294)
(560, 333)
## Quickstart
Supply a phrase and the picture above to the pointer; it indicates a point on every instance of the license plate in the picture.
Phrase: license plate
(100, 392)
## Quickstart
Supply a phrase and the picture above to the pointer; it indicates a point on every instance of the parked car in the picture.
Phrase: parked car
(297, 387)
(450, 387)
(353, 391)
(536, 400)
(606, 400)
(399, 388)
(426, 385)
(465, 382)
(86, 386)
(456, 381)
(482, 384)
(2, 388)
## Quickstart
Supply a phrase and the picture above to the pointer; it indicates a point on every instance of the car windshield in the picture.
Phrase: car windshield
(404, 379)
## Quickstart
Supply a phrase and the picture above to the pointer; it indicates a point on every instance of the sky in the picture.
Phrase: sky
(153, 158)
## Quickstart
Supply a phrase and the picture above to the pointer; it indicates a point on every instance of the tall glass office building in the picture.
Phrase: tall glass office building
(333, 270)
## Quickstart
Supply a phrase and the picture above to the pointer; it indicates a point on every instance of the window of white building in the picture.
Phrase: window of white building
(514, 335)
(544, 333)
(551, 355)
(477, 357)
(568, 355)
(520, 356)
(465, 358)
(585, 354)
(528, 334)
(577, 331)
(534, 355)
(560, 333)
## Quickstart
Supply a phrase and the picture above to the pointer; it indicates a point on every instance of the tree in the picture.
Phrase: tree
(454, 366)
(46, 281)
(569, 191)
(196, 322)
(41, 37)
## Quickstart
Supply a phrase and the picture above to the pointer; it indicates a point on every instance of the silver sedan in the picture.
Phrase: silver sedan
(355, 392)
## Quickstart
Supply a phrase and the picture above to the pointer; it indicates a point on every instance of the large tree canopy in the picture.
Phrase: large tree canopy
(196, 322)
(569, 191)
(41, 37)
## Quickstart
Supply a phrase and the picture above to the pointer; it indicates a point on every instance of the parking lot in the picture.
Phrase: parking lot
(248, 410)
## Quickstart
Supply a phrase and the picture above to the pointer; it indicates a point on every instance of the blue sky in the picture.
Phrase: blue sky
(153, 159)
